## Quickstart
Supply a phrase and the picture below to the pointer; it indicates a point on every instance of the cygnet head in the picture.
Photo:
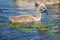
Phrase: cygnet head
(41, 7)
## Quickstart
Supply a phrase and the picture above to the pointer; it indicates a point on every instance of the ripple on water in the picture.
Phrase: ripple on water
(14, 34)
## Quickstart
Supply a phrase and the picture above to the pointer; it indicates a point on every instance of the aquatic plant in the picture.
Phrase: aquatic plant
(21, 26)
(52, 23)
(41, 26)
(44, 26)
(13, 25)
(27, 30)
(54, 34)
(2, 24)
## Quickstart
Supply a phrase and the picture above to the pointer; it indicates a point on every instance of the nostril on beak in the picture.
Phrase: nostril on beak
(45, 11)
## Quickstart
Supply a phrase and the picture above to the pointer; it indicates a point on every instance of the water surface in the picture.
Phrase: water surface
(10, 9)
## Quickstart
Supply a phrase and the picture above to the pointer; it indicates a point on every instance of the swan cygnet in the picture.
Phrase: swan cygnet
(29, 18)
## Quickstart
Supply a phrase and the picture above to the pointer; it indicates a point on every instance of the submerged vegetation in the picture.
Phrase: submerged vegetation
(2, 24)
(20, 26)
(54, 34)
(13, 25)
(41, 27)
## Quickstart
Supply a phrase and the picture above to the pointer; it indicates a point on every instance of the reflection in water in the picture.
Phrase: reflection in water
(1, 11)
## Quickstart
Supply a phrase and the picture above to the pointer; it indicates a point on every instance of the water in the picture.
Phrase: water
(9, 9)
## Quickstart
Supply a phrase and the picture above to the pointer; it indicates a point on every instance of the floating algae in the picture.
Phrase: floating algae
(22, 26)
(54, 34)
(2, 24)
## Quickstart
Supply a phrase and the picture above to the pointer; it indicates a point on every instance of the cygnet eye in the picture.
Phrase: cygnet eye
(36, 5)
